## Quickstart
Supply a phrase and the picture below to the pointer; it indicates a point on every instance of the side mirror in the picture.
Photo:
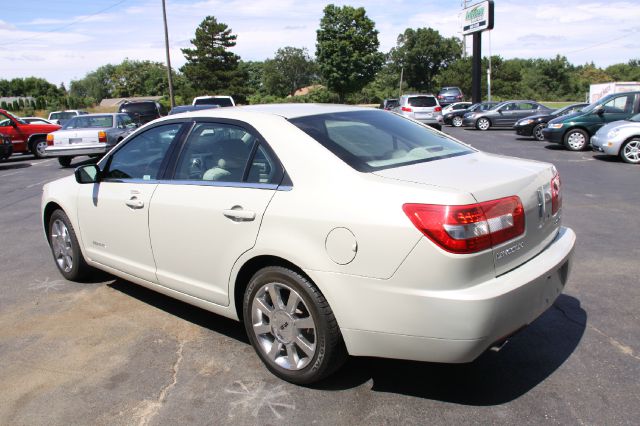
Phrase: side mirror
(89, 173)
(599, 110)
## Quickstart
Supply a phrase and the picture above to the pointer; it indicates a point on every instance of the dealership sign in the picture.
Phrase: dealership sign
(478, 17)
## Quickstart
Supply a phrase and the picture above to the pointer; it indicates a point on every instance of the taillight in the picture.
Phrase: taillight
(440, 97)
(102, 136)
(470, 228)
(49, 139)
(556, 195)
(437, 109)
(407, 109)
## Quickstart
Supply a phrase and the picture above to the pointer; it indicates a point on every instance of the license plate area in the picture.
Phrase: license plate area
(75, 140)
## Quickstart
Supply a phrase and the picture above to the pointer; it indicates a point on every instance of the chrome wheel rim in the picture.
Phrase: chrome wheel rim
(283, 326)
(483, 124)
(631, 151)
(61, 244)
(576, 140)
(537, 132)
(457, 121)
(41, 147)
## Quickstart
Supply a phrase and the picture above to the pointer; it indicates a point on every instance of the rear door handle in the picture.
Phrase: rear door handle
(134, 203)
(239, 215)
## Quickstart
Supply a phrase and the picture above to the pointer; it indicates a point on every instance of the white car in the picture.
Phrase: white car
(36, 120)
(329, 230)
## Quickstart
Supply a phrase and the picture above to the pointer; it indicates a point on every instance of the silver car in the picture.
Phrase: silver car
(91, 134)
(422, 108)
(620, 138)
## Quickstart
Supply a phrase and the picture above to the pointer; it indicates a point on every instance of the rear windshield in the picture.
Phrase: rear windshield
(375, 140)
(223, 102)
(89, 122)
(140, 108)
(62, 115)
(422, 101)
(450, 91)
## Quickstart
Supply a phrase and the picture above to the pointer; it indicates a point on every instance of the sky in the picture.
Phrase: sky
(63, 40)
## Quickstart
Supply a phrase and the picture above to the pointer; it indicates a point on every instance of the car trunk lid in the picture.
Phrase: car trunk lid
(490, 177)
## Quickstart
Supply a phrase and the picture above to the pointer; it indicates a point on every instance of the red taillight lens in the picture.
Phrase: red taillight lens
(102, 136)
(440, 97)
(49, 139)
(470, 228)
(556, 195)
(437, 109)
(407, 109)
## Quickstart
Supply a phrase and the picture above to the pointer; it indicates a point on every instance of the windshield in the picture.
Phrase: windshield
(62, 115)
(375, 140)
(566, 110)
(140, 108)
(451, 91)
(89, 122)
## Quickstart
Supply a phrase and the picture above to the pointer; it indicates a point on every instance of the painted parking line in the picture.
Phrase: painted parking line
(39, 163)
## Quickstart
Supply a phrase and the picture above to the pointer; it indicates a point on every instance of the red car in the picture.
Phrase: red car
(25, 138)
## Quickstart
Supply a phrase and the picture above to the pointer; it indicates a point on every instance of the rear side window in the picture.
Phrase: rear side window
(375, 140)
(422, 101)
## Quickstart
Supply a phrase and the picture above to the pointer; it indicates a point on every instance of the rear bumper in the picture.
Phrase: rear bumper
(393, 320)
(75, 151)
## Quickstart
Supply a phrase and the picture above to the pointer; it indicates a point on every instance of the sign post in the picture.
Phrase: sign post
(475, 19)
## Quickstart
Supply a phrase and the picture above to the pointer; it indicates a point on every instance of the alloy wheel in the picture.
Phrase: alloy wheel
(631, 151)
(283, 326)
(61, 243)
(457, 121)
(483, 124)
(537, 132)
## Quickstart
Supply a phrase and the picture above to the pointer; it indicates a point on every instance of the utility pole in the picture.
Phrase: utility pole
(166, 45)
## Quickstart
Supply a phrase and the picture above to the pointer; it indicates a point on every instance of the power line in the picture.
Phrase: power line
(632, 30)
(84, 18)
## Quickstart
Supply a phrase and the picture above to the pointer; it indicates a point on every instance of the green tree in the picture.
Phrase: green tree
(347, 49)
(625, 72)
(423, 53)
(211, 67)
(291, 69)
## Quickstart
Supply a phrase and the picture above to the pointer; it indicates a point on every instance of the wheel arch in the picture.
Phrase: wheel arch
(36, 136)
(46, 215)
(253, 265)
(576, 127)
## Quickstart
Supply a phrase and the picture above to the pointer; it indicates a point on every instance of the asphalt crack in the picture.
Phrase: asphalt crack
(148, 409)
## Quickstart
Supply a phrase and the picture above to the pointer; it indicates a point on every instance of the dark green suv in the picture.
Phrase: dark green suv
(575, 130)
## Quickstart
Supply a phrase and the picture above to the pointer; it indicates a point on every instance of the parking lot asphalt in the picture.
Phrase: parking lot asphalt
(111, 352)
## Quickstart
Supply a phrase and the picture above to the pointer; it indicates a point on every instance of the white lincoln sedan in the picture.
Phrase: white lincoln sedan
(328, 230)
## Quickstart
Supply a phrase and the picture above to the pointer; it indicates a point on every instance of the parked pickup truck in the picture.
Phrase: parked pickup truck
(25, 138)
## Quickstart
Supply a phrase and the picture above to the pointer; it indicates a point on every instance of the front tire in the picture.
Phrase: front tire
(291, 326)
(38, 147)
(483, 124)
(457, 121)
(65, 161)
(576, 140)
(630, 151)
(537, 132)
(65, 248)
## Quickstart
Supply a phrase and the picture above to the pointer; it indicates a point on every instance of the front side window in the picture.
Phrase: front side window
(141, 157)
(620, 105)
(374, 140)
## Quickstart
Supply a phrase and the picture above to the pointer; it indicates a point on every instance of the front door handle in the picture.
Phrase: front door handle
(134, 203)
(239, 215)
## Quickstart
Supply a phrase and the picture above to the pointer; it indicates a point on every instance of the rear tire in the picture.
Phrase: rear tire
(65, 161)
(576, 140)
(291, 326)
(38, 147)
(630, 151)
(483, 124)
(537, 132)
(65, 248)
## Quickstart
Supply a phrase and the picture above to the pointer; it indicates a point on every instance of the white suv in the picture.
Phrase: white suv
(223, 101)
(422, 108)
